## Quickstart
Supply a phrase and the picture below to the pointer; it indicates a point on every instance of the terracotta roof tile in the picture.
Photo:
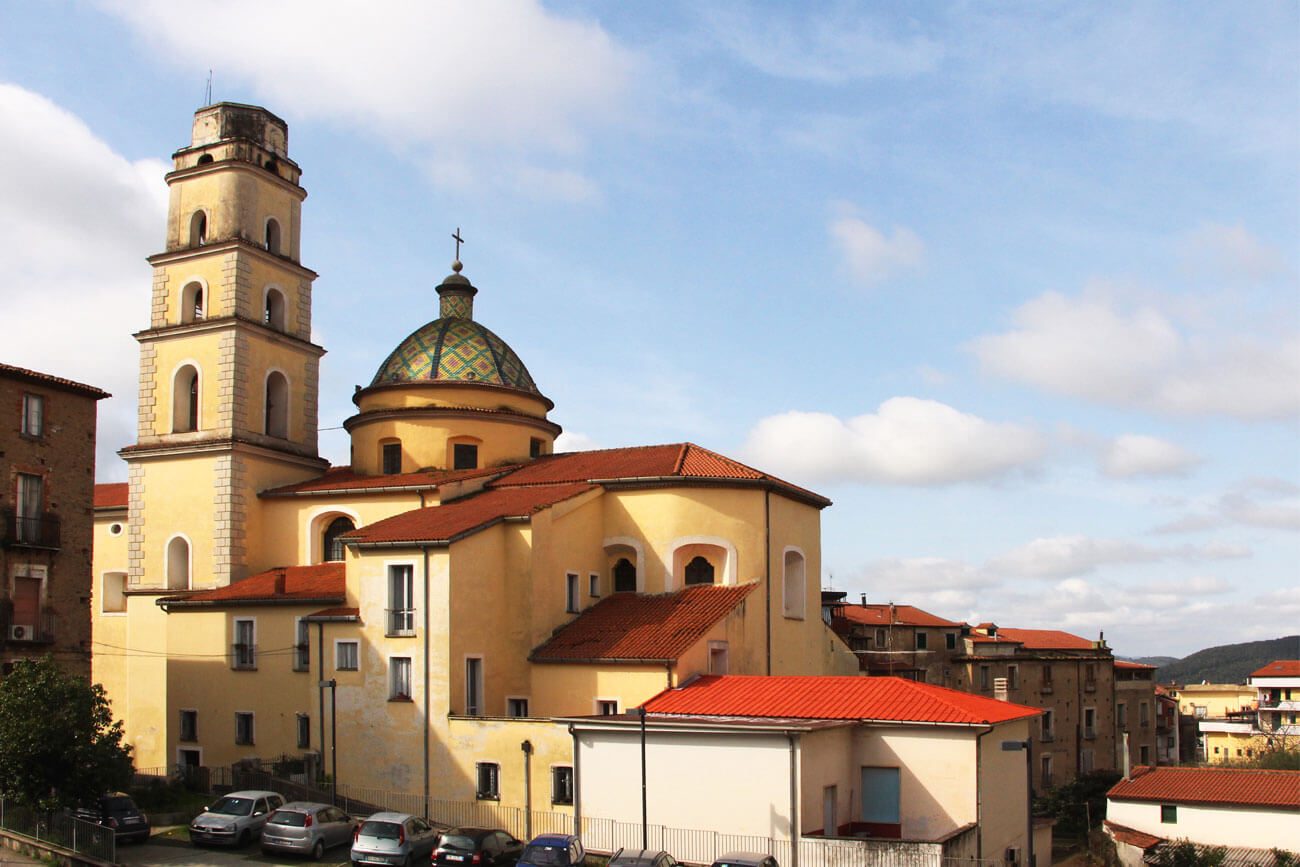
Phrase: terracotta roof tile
(112, 496)
(892, 699)
(1132, 837)
(320, 583)
(326, 613)
(1045, 639)
(1279, 668)
(59, 382)
(629, 626)
(450, 521)
(1241, 787)
(902, 615)
(337, 479)
(1133, 666)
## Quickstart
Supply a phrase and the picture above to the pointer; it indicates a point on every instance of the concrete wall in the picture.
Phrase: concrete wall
(1212, 825)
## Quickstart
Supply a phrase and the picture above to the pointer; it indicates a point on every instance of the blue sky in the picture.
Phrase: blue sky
(1015, 285)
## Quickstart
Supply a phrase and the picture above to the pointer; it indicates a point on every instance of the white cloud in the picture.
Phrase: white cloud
(572, 441)
(493, 84)
(907, 441)
(1089, 348)
(1075, 555)
(869, 255)
(1230, 253)
(79, 220)
(1266, 504)
(1133, 455)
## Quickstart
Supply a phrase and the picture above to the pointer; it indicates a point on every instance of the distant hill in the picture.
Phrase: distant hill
(1230, 663)
(1157, 661)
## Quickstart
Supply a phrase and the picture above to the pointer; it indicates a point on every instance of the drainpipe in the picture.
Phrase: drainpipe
(426, 675)
(767, 570)
(527, 747)
(795, 831)
(577, 784)
(979, 795)
(320, 662)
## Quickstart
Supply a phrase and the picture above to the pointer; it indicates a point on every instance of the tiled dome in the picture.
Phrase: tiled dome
(455, 349)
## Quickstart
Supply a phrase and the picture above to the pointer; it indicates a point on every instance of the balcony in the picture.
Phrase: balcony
(243, 657)
(29, 531)
(401, 621)
(16, 632)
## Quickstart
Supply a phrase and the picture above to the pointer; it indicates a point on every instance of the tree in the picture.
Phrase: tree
(59, 744)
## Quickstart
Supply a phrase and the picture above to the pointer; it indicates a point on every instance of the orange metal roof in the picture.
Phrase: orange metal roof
(1279, 668)
(901, 615)
(451, 521)
(320, 583)
(111, 496)
(629, 626)
(53, 381)
(892, 699)
(1238, 787)
(1045, 639)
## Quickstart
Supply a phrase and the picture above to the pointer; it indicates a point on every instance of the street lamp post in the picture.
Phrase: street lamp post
(1011, 747)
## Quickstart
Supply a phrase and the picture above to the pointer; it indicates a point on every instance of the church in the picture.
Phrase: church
(415, 621)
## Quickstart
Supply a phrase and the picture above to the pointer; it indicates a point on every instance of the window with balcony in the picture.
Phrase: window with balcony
(31, 507)
(243, 655)
(401, 599)
(33, 420)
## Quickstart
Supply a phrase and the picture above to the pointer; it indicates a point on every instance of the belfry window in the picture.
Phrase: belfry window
(198, 229)
(273, 310)
(277, 405)
(699, 571)
(273, 236)
(192, 303)
(624, 576)
(333, 546)
(185, 400)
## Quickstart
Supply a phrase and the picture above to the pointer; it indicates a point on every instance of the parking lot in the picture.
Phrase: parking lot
(164, 849)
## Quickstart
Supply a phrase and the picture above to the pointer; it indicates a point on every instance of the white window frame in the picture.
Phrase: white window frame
(522, 698)
(599, 701)
(356, 648)
(33, 423)
(395, 665)
(235, 662)
(478, 684)
(400, 621)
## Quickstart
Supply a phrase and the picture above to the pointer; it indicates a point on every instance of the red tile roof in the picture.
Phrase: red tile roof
(684, 461)
(283, 584)
(111, 496)
(1140, 839)
(1238, 787)
(344, 479)
(458, 518)
(1133, 666)
(1045, 639)
(903, 615)
(629, 626)
(334, 614)
(891, 699)
(1279, 668)
(59, 382)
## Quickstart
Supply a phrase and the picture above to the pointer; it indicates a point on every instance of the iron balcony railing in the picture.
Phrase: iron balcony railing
(401, 621)
(243, 657)
(29, 531)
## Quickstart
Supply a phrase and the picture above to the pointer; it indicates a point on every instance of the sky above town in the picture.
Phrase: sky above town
(1015, 285)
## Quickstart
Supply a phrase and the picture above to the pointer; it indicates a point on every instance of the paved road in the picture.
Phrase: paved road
(165, 850)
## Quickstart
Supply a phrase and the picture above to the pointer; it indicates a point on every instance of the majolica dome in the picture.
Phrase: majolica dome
(455, 348)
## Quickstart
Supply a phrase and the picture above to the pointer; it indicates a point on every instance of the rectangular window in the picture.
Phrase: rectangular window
(880, 796)
(606, 707)
(880, 638)
(1013, 677)
(401, 599)
(1045, 771)
(534, 447)
(985, 677)
(561, 785)
(1048, 733)
(1085, 761)
(1047, 675)
(718, 657)
(593, 585)
(345, 656)
(1089, 722)
(1144, 755)
(517, 707)
(399, 678)
(474, 686)
(189, 725)
(464, 456)
(244, 651)
(921, 640)
(243, 728)
(1121, 714)
(950, 640)
(301, 646)
(304, 731)
(392, 458)
(571, 593)
(1144, 714)
(33, 423)
(1169, 814)
(31, 502)
(489, 781)
(1090, 676)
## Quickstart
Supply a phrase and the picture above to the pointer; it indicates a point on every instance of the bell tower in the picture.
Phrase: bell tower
(228, 372)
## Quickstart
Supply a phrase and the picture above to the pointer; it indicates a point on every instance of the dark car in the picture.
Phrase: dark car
(465, 846)
(116, 810)
(642, 858)
(553, 850)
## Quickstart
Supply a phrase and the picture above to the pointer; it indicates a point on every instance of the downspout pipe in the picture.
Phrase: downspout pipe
(320, 662)
(427, 606)
(577, 782)
(979, 794)
(795, 829)
(767, 571)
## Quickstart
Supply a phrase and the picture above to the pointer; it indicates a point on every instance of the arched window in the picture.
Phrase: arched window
(178, 564)
(273, 310)
(795, 585)
(273, 235)
(699, 571)
(277, 405)
(205, 159)
(624, 576)
(198, 229)
(331, 545)
(185, 400)
(192, 302)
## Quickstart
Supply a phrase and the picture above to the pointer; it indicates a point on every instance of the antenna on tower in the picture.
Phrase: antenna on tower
(208, 94)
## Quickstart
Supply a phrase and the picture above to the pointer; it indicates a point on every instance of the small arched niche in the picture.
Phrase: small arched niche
(794, 584)
(185, 399)
(273, 314)
(192, 301)
(178, 563)
(273, 236)
(277, 405)
(198, 229)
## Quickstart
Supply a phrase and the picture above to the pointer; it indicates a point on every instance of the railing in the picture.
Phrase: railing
(29, 531)
(60, 829)
(401, 621)
(243, 657)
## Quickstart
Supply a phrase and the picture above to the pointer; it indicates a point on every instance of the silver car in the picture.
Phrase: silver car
(307, 829)
(234, 819)
(394, 839)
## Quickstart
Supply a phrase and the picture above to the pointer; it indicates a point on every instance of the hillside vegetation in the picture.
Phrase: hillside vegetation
(1229, 663)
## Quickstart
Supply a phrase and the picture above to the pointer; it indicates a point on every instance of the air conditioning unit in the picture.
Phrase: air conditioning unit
(22, 632)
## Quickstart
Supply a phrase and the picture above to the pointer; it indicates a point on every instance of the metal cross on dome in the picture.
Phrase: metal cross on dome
(459, 241)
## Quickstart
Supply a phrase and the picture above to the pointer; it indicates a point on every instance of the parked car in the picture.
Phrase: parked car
(307, 829)
(745, 859)
(116, 810)
(642, 858)
(393, 838)
(234, 819)
(553, 850)
(464, 846)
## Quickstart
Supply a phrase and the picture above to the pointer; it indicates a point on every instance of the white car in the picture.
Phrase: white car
(234, 819)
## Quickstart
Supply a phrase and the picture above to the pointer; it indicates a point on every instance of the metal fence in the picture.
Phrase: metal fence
(88, 839)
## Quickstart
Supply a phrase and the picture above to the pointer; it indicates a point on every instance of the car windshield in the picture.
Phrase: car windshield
(288, 817)
(382, 830)
(119, 805)
(232, 806)
(458, 841)
(546, 856)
